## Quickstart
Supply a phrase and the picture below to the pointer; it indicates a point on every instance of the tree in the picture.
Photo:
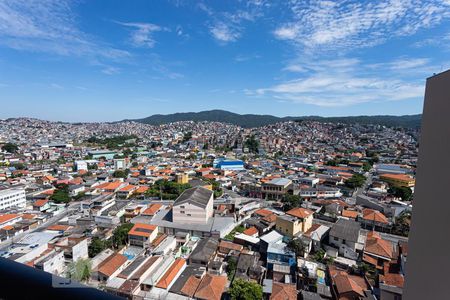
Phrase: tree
(97, 245)
(120, 235)
(245, 290)
(120, 174)
(401, 192)
(356, 181)
(252, 144)
(296, 246)
(231, 267)
(80, 270)
(61, 194)
(291, 201)
(367, 166)
(187, 136)
(10, 147)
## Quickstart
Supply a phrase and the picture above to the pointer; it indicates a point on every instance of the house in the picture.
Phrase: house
(41, 205)
(74, 246)
(151, 210)
(112, 266)
(204, 286)
(348, 287)
(194, 205)
(204, 252)
(317, 233)
(51, 261)
(172, 273)
(211, 287)
(142, 234)
(246, 263)
(295, 221)
(346, 236)
(225, 247)
(373, 219)
(76, 189)
(377, 251)
(276, 188)
(283, 291)
(252, 231)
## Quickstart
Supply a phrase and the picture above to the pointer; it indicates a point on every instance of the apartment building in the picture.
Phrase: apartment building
(12, 197)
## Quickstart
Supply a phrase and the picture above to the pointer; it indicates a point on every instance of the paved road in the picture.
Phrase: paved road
(49, 222)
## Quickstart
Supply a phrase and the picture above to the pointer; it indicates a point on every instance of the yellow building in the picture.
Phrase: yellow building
(294, 221)
(182, 178)
(398, 180)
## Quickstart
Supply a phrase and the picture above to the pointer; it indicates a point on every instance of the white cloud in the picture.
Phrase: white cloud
(49, 26)
(344, 25)
(228, 26)
(344, 82)
(224, 33)
(142, 35)
(111, 70)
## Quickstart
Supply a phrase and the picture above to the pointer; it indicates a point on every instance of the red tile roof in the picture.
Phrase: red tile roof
(375, 245)
(300, 212)
(375, 216)
(211, 287)
(40, 203)
(141, 229)
(111, 266)
(251, 231)
(171, 273)
(8, 217)
(263, 212)
(282, 291)
(151, 209)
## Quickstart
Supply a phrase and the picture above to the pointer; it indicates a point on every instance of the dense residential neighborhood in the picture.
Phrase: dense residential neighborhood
(209, 210)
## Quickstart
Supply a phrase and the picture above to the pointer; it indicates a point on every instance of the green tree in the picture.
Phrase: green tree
(187, 136)
(245, 290)
(80, 270)
(401, 192)
(291, 201)
(356, 181)
(367, 166)
(61, 194)
(296, 246)
(252, 144)
(231, 267)
(97, 245)
(10, 147)
(120, 174)
(120, 235)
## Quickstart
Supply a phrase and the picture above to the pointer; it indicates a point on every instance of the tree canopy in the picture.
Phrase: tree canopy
(61, 194)
(356, 181)
(10, 147)
(80, 270)
(252, 144)
(120, 234)
(245, 290)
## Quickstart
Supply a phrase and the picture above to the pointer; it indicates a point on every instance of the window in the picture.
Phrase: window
(188, 215)
(182, 212)
(336, 238)
(182, 206)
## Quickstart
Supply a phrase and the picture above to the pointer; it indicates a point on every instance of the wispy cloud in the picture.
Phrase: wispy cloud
(345, 25)
(345, 82)
(49, 26)
(228, 26)
(246, 57)
(142, 33)
(108, 70)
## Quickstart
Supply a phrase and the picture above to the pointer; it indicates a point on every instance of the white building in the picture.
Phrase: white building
(81, 165)
(194, 205)
(12, 197)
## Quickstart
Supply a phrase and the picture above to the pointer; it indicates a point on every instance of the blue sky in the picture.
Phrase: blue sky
(111, 60)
